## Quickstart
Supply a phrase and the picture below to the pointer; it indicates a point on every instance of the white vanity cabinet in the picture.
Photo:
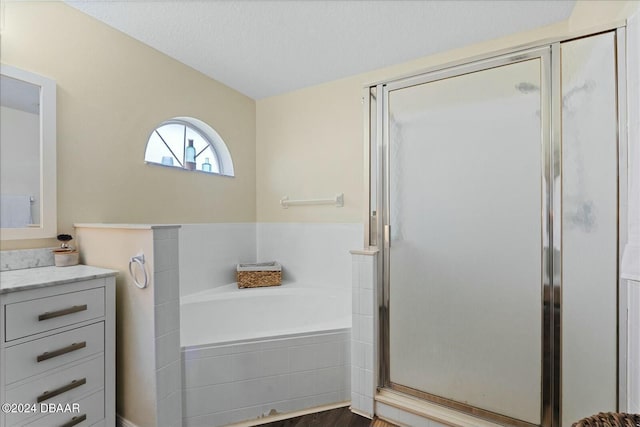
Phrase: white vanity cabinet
(57, 347)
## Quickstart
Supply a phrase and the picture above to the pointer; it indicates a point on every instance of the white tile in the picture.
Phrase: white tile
(167, 349)
(168, 380)
(165, 233)
(302, 403)
(210, 351)
(244, 414)
(355, 400)
(355, 273)
(207, 400)
(208, 371)
(304, 340)
(260, 391)
(353, 351)
(247, 347)
(366, 331)
(362, 382)
(332, 337)
(366, 274)
(355, 300)
(210, 420)
(368, 383)
(165, 286)
(367, 405)
(367, 350)
(302, 358)
(355, 327)
(209, 253)
(247, 366)
(170, 410)
(281, 343)
(165, 255)
(275, 388)
(275, 362)
(366, 302)
(325, 244)
(167, 317)
(330, 354)
(360, 354)
(327, 398)
(329, 379)
(302, 384)
(355, 385)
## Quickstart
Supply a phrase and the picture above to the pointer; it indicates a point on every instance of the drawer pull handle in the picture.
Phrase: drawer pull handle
(49, 394)
(68, 349)
(75, 420)
(70, 310)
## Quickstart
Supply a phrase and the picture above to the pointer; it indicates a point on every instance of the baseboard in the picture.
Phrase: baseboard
(123, 422)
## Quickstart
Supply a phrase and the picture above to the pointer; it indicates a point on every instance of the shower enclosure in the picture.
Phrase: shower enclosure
(495, 194)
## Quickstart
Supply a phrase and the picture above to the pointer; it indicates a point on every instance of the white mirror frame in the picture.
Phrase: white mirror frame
(48, 196)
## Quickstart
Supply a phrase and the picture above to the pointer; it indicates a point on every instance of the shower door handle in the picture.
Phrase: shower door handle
(387, 235)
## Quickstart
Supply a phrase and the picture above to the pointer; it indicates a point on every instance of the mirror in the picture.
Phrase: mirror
(27, 155)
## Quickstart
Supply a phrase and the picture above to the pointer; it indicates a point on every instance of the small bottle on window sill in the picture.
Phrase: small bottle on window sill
(206, 166)
(190, 156)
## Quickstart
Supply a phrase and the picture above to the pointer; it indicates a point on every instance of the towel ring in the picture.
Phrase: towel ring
(138, 259)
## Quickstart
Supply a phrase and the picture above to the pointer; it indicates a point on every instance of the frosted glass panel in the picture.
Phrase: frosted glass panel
(589, 222)
(465, 309)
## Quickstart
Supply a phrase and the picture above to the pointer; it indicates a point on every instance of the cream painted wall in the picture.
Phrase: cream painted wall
(309, 143)
(135, 320)
(309, 146)
(112, 92)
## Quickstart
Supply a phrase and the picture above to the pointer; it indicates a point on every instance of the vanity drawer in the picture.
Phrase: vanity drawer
(37, 356)
(64, 386)
(91, 410)
(44, 314)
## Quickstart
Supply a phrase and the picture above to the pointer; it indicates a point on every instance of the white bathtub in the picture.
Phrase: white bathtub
(228, 314)
(247, 353)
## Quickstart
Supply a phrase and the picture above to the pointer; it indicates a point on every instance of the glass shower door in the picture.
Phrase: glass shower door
(468, 232)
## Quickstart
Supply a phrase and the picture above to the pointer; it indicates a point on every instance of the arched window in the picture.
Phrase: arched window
(189, 144)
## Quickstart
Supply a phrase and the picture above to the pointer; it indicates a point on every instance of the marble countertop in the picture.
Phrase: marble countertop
(31, 278)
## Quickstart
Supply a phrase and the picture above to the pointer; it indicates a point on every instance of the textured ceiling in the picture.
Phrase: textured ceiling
(264, 48)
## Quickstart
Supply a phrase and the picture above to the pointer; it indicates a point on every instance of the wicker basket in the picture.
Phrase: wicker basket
(258, 275)
(610, 419)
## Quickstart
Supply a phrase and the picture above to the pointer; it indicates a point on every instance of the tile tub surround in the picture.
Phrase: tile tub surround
(209, 254)
(311, 253)
(364, 335)
(233, 382)
(166, 300)
(26, 258)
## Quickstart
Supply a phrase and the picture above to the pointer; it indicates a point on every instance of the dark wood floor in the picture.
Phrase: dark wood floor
(341, 417)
